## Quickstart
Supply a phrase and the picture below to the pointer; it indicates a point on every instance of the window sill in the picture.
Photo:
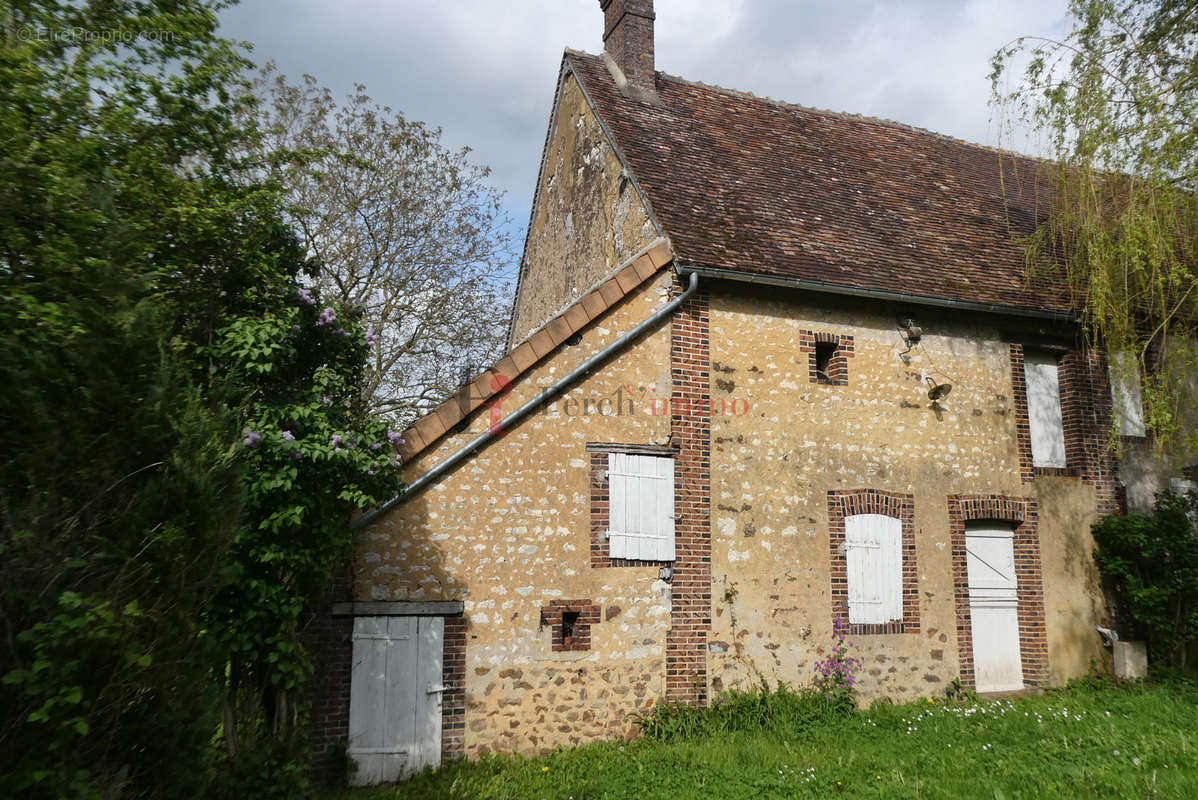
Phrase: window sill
(1060, 472)
(874, 628)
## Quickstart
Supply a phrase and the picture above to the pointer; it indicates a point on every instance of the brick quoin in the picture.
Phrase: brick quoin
(329, 641)
(453, 677)
(690, 433)
(1033, 638)
(846, 503)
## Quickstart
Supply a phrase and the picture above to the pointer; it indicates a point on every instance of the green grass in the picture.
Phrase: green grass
(1096, 740)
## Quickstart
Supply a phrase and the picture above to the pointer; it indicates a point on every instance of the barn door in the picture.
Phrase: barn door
(395, 697)
(994, 607)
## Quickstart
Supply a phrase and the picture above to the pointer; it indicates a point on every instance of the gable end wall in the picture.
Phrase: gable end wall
(588, 217)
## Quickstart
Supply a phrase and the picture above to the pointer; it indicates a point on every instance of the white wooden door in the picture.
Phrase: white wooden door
(395, 697)
(994, 607)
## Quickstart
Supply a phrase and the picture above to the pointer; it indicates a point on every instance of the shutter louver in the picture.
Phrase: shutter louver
(873, 555)
(641, 507)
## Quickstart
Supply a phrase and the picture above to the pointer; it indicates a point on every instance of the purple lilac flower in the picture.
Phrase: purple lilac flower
(341, 332)
(372, 337)
(326, 400)
(327, 317)
(337, 441)
(394, 438)
(289, 436)
(375, 445)
(373, 466)
(305, 297)
(252, 438)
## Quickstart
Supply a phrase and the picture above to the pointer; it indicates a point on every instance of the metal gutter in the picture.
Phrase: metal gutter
(535, 404)
(879, 294)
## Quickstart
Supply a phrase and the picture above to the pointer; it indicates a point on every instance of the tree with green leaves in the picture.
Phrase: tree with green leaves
(182, 421)
(1116, 102)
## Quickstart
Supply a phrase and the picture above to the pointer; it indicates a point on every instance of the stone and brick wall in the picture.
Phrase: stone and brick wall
(774, 555)
(516, 534)
(510, 535)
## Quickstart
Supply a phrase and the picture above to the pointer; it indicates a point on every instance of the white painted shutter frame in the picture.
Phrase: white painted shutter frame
(640, 507)
(1125, 391)
(1044, 410)
(874, 558)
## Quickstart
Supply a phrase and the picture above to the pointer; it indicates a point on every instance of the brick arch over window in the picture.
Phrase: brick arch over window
(1033, 639)
(846, 503)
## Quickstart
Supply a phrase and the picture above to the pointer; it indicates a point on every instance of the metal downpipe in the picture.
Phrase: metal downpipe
(548, 394)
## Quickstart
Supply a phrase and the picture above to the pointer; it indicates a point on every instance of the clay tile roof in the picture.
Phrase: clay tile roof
(748, 184)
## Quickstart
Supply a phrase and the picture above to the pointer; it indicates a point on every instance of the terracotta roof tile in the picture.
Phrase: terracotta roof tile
(753, 185)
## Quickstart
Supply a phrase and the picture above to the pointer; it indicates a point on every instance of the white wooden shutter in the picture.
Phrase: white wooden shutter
(1044, 410)
(641, 507)
(1125, 391)
(874, 555)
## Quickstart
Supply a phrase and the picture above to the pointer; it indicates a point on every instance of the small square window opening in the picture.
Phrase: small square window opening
(824, 353)
(569, 624)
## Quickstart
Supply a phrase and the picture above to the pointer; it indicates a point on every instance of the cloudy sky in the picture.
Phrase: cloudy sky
(485, 70)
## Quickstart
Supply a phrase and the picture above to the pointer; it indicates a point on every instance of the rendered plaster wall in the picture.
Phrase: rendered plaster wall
(588, 218)
(509, 532)
(772, 470)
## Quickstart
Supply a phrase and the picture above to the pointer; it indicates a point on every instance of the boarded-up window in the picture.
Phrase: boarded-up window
(642, 507)
(1044, 410)
(874, 558)
(1125, 391)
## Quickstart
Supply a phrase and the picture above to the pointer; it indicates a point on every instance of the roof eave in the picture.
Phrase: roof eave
(882, 294)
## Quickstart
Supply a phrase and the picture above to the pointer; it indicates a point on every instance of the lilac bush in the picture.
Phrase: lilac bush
(836, 675)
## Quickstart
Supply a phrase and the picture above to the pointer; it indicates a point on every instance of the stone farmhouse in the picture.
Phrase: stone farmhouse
(770, 367)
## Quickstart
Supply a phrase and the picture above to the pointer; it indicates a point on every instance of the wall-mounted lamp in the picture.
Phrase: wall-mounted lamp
(912, 333)
(938, 390)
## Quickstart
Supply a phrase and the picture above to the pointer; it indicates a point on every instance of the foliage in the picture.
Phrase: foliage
(154, 556)
(836, 675)
(1078, 742)
(400, 225)
(309, 455)
(1152, 562)
(1117, 102)
(737, 712)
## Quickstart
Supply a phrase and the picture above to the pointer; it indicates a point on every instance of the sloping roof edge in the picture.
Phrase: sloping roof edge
(540, 344)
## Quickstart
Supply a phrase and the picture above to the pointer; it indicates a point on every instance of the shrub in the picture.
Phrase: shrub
(1151, 563)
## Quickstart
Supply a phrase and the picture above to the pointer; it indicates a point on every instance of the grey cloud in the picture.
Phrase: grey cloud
(484, 70)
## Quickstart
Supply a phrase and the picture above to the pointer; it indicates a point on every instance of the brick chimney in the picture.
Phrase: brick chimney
(628, 46)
